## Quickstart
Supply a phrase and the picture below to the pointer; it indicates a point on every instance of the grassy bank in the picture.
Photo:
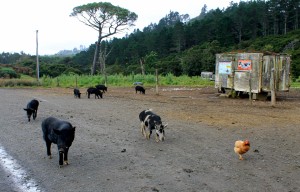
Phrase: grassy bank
(84, 81)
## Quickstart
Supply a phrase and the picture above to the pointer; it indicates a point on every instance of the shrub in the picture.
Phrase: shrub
(6, 72)
(18, 83)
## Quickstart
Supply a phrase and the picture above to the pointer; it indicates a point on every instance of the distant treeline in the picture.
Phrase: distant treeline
(179, 45)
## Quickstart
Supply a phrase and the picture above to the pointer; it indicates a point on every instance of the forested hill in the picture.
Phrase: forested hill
(181, 45)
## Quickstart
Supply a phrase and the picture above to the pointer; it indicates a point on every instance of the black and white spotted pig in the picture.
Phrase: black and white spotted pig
(150, 122)
(61, 133)
(32, 108)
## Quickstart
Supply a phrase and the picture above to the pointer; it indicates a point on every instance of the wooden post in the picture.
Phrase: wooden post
(37, 58)
(156, 73)
(57, 82)
(250, 87)
(273, 93)
(105, 79)
(76, 81)
(132, 76)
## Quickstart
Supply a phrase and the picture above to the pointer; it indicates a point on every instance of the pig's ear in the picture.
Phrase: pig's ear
(74, 128)
(25, 109)
(57, 132)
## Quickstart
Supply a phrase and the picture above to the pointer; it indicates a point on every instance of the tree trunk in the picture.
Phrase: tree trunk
(240, 34)
(296, 17)
(142, 66)
(275, 26)
(93, 69)
(102, 58)
(285, 23)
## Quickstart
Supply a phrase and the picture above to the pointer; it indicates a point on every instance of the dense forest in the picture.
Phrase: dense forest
(179, 45)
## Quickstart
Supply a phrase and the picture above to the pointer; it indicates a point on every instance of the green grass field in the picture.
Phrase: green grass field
(84, 81)
(69, 81)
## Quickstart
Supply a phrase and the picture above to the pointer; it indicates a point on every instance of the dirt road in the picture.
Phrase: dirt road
(110, 154)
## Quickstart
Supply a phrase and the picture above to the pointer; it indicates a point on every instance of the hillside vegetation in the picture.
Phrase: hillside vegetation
(181, 46)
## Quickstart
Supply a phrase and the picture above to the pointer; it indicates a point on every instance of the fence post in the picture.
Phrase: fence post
(76, 81)
(273, 93)
(156, 74)
(250, 87)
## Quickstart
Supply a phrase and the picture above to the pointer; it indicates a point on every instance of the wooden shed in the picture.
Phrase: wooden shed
(252, 72)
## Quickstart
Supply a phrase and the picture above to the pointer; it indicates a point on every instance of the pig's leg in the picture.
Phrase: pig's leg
(66, 156)
(61, 154)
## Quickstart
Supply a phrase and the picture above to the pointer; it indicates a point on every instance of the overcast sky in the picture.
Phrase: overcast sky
(19, 20)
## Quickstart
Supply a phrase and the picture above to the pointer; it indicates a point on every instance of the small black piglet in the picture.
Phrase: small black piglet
(32, 108)
(77, 93)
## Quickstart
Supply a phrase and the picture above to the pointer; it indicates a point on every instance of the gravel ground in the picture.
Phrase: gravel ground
(110, 154)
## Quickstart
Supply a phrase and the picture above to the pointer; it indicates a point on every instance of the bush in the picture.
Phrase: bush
(18, 83)
(8, 73)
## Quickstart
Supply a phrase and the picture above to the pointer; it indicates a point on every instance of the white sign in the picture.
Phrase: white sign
(225, 67)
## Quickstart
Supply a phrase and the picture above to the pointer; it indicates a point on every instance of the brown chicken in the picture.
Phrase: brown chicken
(241, 147)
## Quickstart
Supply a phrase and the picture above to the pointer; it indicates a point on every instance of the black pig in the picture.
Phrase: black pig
(32, 108)
(95, 91)
(102, 88)
(140, 89)
(77, 93)
(61, 133)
